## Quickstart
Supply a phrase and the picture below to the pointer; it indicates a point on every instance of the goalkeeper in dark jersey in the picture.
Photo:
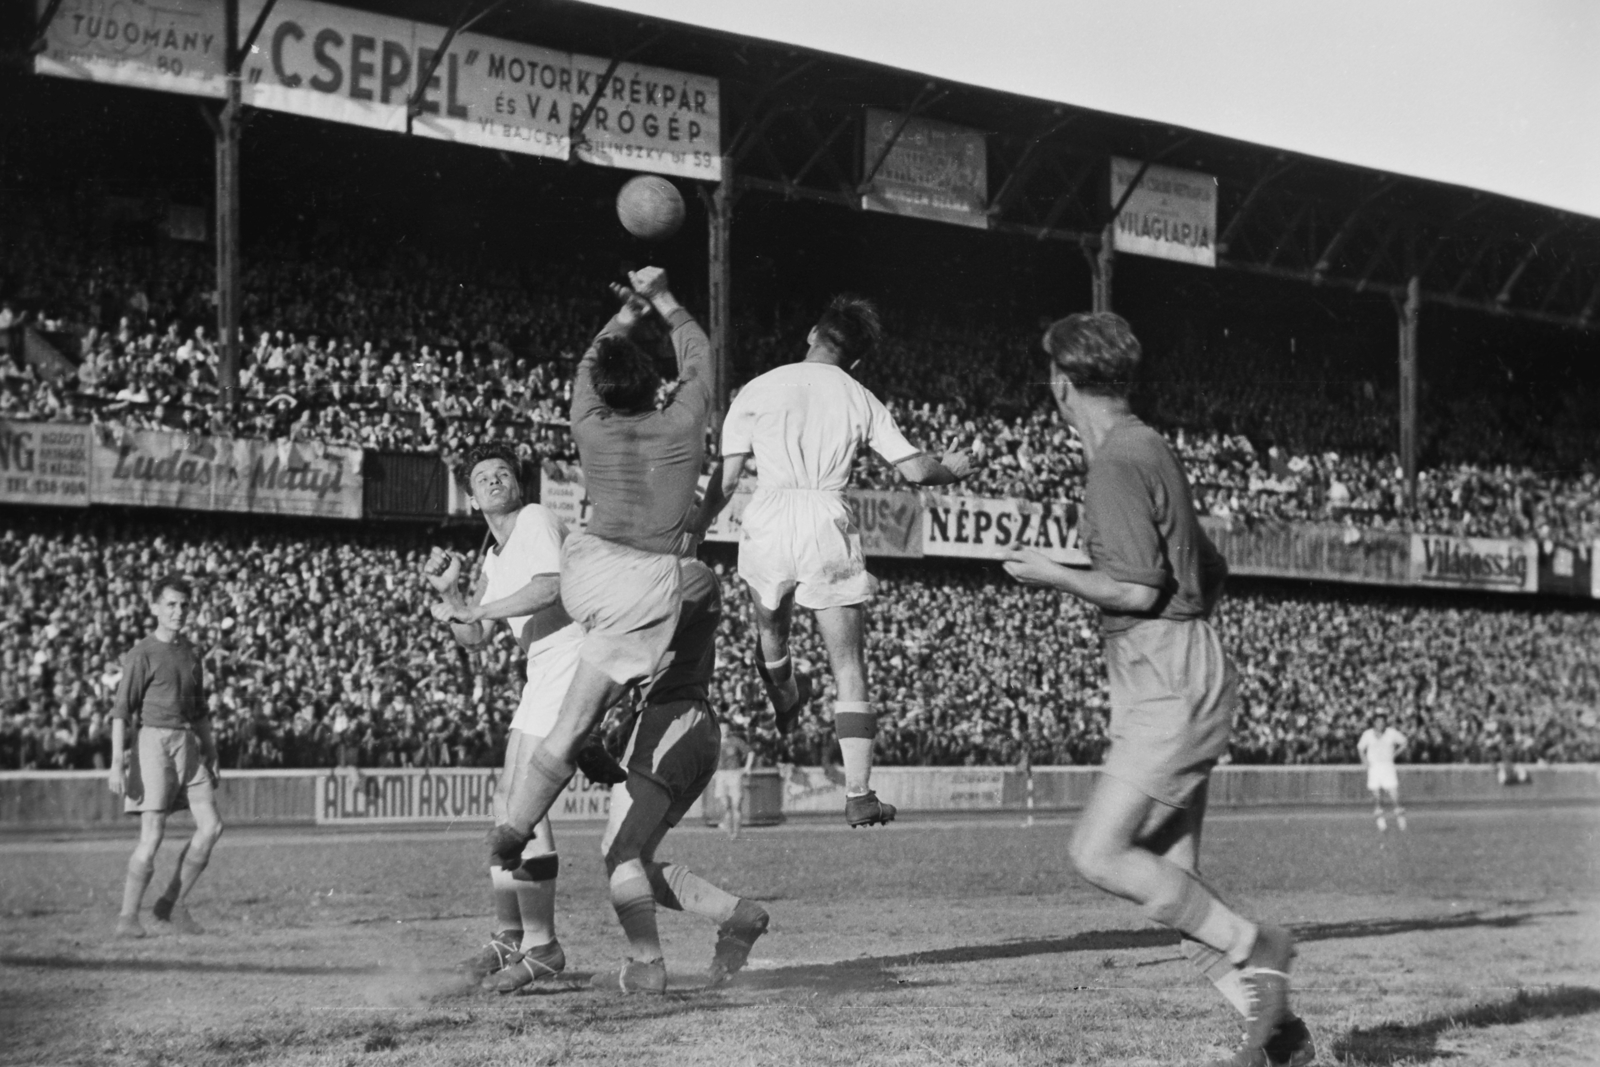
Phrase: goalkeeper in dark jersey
(641, 457)
(671, 758)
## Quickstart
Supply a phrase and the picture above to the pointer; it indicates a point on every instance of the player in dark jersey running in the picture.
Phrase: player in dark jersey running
(173, 761)
(671, 758)
(1155, 577)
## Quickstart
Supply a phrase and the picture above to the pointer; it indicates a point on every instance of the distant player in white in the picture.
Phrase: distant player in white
(520, 583)
(804, 423)
(1378, 747)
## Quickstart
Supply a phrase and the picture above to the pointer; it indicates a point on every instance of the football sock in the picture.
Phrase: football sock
(680, 889)
(535, 894)
(1185, 904)
(783, 681)
(547, 775)
(635, 904)
(174, 890)
(856, 727)
(1221, 972)
(188, 872)
(139, 873)
(507, 916)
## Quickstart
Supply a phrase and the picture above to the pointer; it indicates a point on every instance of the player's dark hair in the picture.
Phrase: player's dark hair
(1097, 352)
(850, 326)
(482, 453)
(624, 376)
(170, 581)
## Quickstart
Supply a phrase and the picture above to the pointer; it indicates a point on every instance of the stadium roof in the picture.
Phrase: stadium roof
(1485, 94)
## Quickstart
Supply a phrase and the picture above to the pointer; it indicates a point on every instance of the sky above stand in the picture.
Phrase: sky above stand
(1499, 95)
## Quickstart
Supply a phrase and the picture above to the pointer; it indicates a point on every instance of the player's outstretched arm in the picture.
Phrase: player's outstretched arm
(923, 469)
(1032, 567)
(541, 592)
(689, 341)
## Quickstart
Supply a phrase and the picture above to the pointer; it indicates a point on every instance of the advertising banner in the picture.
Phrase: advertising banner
(1320, 551)
(148, 468)
(356, 67)
(1566, 570)
(933, 170)
(172, 45)
(1475, 563)
(890, 521)
(561, 490)
(1172, 213)
(287, 478)
(982, 528)
(152, 468)
(44, 463)
(441, 794)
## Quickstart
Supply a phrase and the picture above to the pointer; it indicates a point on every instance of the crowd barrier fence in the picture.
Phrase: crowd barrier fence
(70, 800)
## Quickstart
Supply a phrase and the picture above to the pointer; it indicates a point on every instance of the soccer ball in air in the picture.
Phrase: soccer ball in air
(650, 207)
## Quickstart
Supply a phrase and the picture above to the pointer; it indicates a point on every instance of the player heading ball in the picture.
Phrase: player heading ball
(803, 425)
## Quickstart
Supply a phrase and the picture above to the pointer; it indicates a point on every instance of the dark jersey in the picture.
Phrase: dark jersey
(641, 471)
(162, 684)
(1139, 526)
(692, 656)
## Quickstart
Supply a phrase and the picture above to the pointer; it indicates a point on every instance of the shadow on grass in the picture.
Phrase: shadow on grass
(1389, 927)
(1392, 1043)
(873, 972)
(82, 963)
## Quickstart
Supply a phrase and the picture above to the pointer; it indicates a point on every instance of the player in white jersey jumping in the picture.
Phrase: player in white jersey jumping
(803, 424)
(520, 583)
(1378, 747)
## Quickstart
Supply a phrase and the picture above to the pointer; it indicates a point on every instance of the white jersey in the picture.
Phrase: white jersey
(805, 422)
(534, 548)
(1379, 749)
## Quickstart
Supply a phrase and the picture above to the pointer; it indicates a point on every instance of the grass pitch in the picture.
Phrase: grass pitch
(1474, 939)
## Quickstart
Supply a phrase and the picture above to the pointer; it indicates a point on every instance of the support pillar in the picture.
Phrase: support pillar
(720, 267)
(227, 150)
(1409, 310)
(1101, 263)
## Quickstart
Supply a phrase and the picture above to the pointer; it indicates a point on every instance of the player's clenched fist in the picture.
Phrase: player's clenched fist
(442, 570)
(648, 282)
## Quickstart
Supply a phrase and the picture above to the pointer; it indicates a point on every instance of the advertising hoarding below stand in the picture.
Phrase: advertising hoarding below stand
(45, 463)
(337, 63)
(1442, 560)
(981, 528)
(933, 170)
(1172, 213)
(1566, 570)
(174, 46)
(440, 794)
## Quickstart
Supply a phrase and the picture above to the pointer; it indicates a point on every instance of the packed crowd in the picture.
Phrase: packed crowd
(320, 652)
(394, 351)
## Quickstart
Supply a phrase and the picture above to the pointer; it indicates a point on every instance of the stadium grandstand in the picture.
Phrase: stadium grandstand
(1382, 387)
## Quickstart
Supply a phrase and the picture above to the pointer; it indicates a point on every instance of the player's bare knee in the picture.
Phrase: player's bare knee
(1091, 858)
(620, 851)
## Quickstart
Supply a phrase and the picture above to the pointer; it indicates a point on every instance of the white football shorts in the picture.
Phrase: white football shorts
(803, 540)
(551, 666)
(1385, 778)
